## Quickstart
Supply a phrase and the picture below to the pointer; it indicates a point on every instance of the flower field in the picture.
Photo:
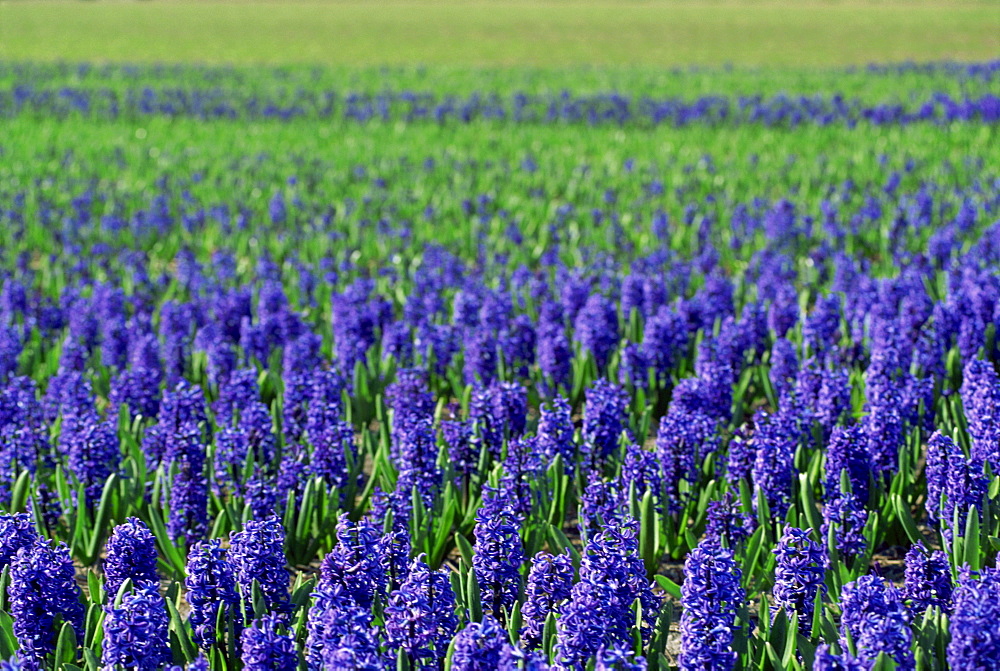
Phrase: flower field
(409, 368)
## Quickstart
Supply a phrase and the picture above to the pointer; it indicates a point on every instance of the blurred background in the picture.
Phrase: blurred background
(502, 32)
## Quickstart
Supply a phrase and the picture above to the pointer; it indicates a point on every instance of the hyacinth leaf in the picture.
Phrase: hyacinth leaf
(93, 626)
(180, 636)
(649, 534)
(973, 556)
(808, 501)
(464, 548)
(4, 584)
(669, 586)
(8, 643)
(819, 613)
(443, 525)
(95, 587)
(90, 658)
(258, 603)
(473, 596)
(302, 592)
(514, 622)
(905, 518)
(791, 639)
(66, 646)
(549, 635)
(104, 514)
(561, 544)
(19, 492)
(176, 560)
(402, 660)
(883, 663)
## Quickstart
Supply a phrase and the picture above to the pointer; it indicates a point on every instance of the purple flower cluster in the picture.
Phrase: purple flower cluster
(711, 598)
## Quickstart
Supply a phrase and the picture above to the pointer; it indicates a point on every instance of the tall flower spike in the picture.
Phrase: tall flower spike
(16, 531)
(612, 558)
(798, 575)
(265, 648)
(258, 554)
(555, 433)
(130, 555)
(975, 621)
(603, 418)
(355, 563)
(43, 596)
(846, 517)
(478, 647)
(498, 553)
(711, 597)
(211, 587)
(420, 619)
(927, 580)
(586, 623)
(136, 632)
(826, 660)
(550, 582)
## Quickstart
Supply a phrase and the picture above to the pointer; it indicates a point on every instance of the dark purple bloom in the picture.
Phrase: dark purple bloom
(550, 581)
(355, 563)
(211, 588)
(975, 621)
(417, 460)
(420, 617)
(726, 522)
(784, 366)
(597, 329)
(91, 447)
(682, 443)
(136, 632)
(634, 370)
(498, 553)
(604, 418)
(711, 598)
(265, 648)
(510, 407)
(555, 433)
(798, 575)
(612, 558)
(43, 596)
(773, 466)
(845, 518)
(341, 636)
(518, 342)
(587, 622)
(16, 531)
(927, 580)
(478, 646)
(488, 429)
(887, 633)
(258, 553)
(641, 473)
(480, 356)
(820, 328)
(847, 451)
(555, 357)
(618, 659)
(954, 483)
(130, 555)
(826, 660)
(601, 503)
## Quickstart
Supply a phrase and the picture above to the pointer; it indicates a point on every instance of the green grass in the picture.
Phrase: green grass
(502, 32)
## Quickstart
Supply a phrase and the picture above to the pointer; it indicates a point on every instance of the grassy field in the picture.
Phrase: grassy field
(502, 32)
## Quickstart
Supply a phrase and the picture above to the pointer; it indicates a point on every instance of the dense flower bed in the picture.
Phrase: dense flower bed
(520, 406)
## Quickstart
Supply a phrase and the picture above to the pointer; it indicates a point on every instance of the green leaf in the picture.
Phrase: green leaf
(66, 646)
(669, 586)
